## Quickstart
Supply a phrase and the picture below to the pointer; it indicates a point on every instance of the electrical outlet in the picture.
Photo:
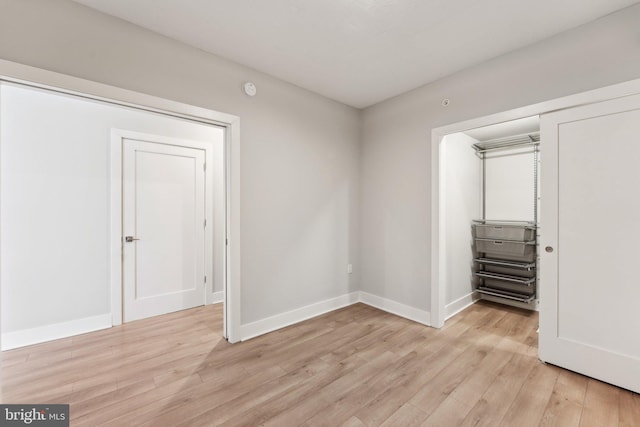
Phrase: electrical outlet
(349, 268)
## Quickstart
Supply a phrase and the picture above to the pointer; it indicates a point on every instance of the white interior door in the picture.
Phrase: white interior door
(590, 241)
(163, 228)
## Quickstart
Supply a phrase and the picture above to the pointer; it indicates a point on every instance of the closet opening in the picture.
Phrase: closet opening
(490, 203)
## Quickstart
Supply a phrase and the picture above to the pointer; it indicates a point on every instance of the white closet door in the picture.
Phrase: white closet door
(590, 241)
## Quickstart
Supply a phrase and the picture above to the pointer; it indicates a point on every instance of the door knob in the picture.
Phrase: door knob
(548, 249)
(130, 239)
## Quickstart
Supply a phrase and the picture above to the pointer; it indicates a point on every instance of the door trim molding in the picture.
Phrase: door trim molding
(13, 72)
(438, 216)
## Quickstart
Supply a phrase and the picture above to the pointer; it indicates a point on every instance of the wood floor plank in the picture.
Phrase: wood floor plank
(629, 409)
(302, 410)
(531, 401)
(463, 398)
(496, 400)
(89, 406)
(443, 384)
(173, 397)
(454, 345)
(567, 399)
(341, 407)
(255, 409)
(356, 366)
(407, 416)
(601, 405)
(260, 413)
(194, 408)
(353, 422)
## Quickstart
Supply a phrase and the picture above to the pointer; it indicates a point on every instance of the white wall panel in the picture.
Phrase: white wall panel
(510, 185)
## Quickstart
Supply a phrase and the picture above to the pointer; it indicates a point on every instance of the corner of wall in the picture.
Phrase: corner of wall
(270, 324)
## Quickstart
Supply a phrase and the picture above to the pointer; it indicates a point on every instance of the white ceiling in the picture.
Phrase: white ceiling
(359, 52)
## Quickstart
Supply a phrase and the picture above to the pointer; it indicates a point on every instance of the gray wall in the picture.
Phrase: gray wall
(300, 151)
(395, 207)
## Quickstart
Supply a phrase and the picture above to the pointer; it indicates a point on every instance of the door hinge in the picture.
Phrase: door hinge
(205, 279)
(205, 222)
(204, 166)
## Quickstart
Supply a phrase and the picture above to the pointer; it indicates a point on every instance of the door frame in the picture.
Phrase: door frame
(117, 213)
(12, 72)
(438, 216)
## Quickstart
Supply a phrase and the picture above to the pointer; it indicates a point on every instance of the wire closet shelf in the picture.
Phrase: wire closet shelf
(508, 143)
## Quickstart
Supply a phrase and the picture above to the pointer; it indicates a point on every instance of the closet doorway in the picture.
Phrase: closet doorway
(489, 204)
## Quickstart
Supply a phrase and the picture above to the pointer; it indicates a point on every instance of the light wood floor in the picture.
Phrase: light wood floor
(352, 367)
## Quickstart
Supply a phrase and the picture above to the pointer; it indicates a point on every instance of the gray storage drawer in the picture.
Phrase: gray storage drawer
(505, 232)
(501, 248)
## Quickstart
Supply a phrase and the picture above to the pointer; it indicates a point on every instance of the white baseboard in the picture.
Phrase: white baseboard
(216, 297)
(460, 304)
(260, 327)
(25, 337)
(42, 334)
(394, 307)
